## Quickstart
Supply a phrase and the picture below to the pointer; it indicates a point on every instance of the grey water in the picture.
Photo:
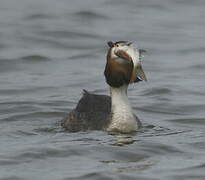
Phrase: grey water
(52, 49)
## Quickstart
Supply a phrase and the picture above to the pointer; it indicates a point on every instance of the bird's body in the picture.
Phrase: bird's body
(114, 112)
(91, 113)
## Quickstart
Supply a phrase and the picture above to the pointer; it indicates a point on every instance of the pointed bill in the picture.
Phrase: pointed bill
(140, 73)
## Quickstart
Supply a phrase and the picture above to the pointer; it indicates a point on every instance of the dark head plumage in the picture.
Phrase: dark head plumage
(118, 72)
(120, 68)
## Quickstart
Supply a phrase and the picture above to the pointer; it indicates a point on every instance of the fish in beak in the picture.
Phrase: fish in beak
(140, 73)
(127, 51)
(139, 70)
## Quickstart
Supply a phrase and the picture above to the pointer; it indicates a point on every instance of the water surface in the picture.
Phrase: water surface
(50, 50)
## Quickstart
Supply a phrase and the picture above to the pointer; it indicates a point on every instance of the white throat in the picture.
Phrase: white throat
(122, 117)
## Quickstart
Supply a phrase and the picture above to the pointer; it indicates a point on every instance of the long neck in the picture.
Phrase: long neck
(120, 101)
(122, 118)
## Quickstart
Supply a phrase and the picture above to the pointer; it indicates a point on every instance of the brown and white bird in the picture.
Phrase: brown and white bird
(114, 112)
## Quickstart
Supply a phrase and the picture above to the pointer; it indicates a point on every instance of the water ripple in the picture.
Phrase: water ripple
(193, 120)
(39, 16)
(35, 58)
(68, 34)
(90, 15)
(157, 91)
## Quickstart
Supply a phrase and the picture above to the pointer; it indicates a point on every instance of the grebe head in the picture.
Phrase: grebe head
(123, 64)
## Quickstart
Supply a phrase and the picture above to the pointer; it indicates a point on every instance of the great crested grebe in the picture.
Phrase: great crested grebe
(101, 112)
